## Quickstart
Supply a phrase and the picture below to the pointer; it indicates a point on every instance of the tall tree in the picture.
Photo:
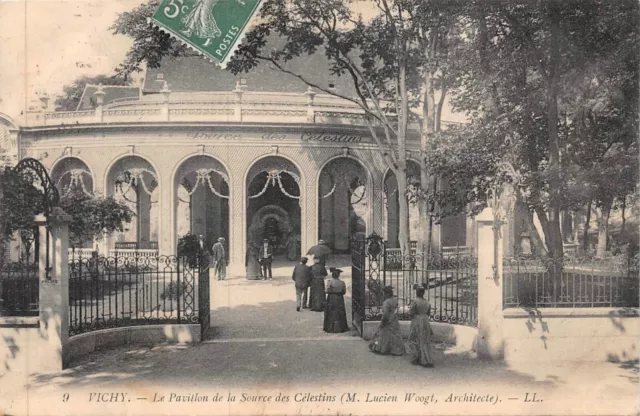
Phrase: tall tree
(523, 63)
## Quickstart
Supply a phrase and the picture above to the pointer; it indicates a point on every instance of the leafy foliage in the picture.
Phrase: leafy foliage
(93, 217)
(150, 45)
(20, 202)
(189, 247)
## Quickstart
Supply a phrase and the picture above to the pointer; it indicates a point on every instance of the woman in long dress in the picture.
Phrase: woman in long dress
(420, 333)
(293, 246)
(335, 314)
(388, 339)
(316, 294)
(251, 263)
(201, 22)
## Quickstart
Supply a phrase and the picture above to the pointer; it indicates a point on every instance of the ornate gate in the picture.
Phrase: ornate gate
(357, 284)
(450, 282)
(204, 302)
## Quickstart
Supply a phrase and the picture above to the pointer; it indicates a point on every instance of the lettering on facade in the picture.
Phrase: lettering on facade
(305, 137)
(315, 137)
(205, 135)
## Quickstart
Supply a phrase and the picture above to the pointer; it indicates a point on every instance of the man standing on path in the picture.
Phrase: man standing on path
(266, 258)
(302, 277)
(219, 259)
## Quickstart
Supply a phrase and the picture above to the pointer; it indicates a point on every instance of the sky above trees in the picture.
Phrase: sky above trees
(54, 42)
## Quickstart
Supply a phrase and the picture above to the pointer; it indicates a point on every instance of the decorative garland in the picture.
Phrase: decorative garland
(136, 176)
(351, 191)
(76, 178)
(204, 175)
(274, 176)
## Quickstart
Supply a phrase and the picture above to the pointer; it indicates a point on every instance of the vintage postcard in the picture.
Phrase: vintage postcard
(319, 207)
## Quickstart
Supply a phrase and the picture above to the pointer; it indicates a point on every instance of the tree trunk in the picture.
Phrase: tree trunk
(553, 236)
(428, 114)
(403, 212)
(585, 232)
(536, 240)
(603, 229)
(624, 217)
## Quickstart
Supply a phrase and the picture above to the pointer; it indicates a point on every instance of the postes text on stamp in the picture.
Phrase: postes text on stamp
(214, 28)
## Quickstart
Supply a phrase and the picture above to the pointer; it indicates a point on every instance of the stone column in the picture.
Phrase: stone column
(238, 215)
(144, 218)
(392, 213)
(489, 243)
(214, 218)
(309, 213)
(167, 230)
(54, 291)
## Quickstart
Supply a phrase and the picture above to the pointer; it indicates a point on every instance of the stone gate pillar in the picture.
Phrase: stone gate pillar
(489, 244)
(54, 290)
(237, 216)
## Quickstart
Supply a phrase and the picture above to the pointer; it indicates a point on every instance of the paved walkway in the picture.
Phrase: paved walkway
(249, 309)
(262, 347)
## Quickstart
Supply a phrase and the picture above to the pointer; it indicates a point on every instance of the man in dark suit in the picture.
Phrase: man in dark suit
(219, 259)
(302, 277)
(266, 258)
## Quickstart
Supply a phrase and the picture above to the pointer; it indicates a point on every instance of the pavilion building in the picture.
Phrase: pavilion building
(195, 149)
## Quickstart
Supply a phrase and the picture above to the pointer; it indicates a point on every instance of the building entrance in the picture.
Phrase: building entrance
(273, 207)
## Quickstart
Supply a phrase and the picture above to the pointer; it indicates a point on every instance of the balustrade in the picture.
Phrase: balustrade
(237, 105)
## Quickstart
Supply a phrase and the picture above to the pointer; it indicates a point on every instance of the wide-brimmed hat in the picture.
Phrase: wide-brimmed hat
(320, 241)
(335, 272)
(265, 240)
(419, 286)
(303, 259)
(388, 289)
(221, 239)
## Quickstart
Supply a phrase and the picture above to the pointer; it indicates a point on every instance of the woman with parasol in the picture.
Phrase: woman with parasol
(320, 251)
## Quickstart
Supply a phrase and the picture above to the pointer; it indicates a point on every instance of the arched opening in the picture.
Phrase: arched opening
(392, 204)
(72, 178)
(273, 206)
(201, 195)
(72, 175)
(133, 181)
(343, 203)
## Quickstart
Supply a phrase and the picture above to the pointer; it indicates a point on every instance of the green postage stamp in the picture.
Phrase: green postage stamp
(212, 27)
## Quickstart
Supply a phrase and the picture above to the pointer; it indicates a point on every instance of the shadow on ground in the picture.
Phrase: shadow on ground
(326, 360)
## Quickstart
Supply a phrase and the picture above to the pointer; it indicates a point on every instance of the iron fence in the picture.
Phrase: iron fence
(451, 283)
(19, 289)
(570, 283)
(110, 292)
